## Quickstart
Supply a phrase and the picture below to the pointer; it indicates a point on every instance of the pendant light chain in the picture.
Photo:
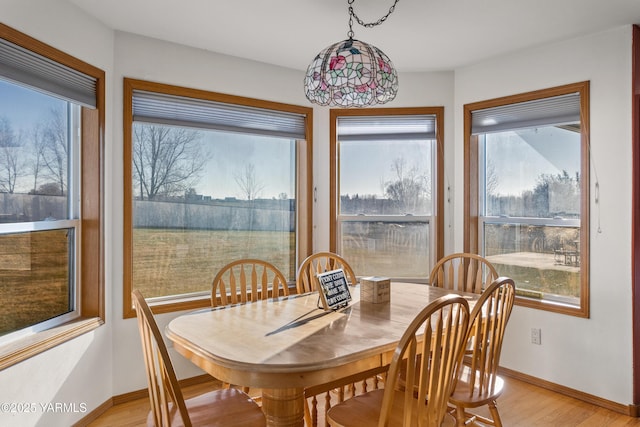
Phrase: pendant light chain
(352, 15)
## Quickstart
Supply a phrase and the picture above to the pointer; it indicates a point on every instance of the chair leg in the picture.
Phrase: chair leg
(494, 414)
(460, 416)
(308, 420)
(327, 404)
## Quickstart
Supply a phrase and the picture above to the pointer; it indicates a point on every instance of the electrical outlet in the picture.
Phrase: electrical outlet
(536, 336)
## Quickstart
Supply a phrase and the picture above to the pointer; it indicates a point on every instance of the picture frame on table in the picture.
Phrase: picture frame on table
(333, 289)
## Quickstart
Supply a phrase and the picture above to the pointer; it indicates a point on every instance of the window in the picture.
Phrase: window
(209, 179)
(51, 117)
(527, 173)
(386, 190)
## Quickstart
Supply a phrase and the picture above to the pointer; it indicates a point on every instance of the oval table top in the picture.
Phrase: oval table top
(292, 335)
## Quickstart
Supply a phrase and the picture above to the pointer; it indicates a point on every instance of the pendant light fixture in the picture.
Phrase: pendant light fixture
(352, 73)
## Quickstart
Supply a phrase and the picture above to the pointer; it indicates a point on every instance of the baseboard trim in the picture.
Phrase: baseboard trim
(144, 393)
(95, 414)
(135, 395)
(630, 410)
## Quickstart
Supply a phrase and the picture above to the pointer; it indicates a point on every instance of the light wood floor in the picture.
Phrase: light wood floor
(521, 405)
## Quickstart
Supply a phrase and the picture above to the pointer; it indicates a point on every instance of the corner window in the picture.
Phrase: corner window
(531, 179)
(211, 179)
(50, 192)
(40, 215)
(387, 191)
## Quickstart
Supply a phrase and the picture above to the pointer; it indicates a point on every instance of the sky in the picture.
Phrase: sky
(368, 165)
(24, 107)
(518, 156)
(229, 153)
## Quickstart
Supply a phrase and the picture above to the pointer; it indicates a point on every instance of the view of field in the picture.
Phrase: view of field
(539, 258)
(545, 280)
(176, 261)
(387, 249)
(33, 278)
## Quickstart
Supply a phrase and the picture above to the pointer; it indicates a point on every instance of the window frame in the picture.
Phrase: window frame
(303, 196)
(472, 209)
(438, 215)
(89, 294)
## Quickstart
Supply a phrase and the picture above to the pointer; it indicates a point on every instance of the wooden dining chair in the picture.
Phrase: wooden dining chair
(320, 398)
(224, 407)
(319, 263)
(306, 281)
(438, 331)
(478, 381)
(247, 280)
(463, 272)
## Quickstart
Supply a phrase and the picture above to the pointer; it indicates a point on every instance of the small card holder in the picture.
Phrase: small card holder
(333, 289)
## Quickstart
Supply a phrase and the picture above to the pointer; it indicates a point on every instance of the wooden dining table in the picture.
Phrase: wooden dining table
(284, 345)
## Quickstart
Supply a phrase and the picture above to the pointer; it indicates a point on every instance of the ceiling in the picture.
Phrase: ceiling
(420, 35)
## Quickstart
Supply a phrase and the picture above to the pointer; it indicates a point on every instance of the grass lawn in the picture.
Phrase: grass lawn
(171, 261)
(34, 283)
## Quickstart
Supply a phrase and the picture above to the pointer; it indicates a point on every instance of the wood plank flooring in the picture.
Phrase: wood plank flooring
(521, 405)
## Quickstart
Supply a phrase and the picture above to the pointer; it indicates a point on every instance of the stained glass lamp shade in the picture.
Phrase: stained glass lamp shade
(351, 73)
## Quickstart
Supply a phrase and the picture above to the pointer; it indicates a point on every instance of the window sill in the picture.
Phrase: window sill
(26, 347)
(179, 303)
(553, 306)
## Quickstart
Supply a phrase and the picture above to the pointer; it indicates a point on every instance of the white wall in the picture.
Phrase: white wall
(79, 371)
(591, 355)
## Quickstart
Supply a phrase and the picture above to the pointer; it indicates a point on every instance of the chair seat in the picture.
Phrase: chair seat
(364, 411)
(221, 408)
(462, 396)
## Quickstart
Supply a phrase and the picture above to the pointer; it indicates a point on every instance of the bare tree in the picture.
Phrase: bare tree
(54, 148)
(11, 162)
(410, 189)
(167, 161)
(249, 184)
(36, 163)
(491, 179)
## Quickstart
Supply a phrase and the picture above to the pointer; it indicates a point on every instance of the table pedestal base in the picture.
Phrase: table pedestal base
(284, 407)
